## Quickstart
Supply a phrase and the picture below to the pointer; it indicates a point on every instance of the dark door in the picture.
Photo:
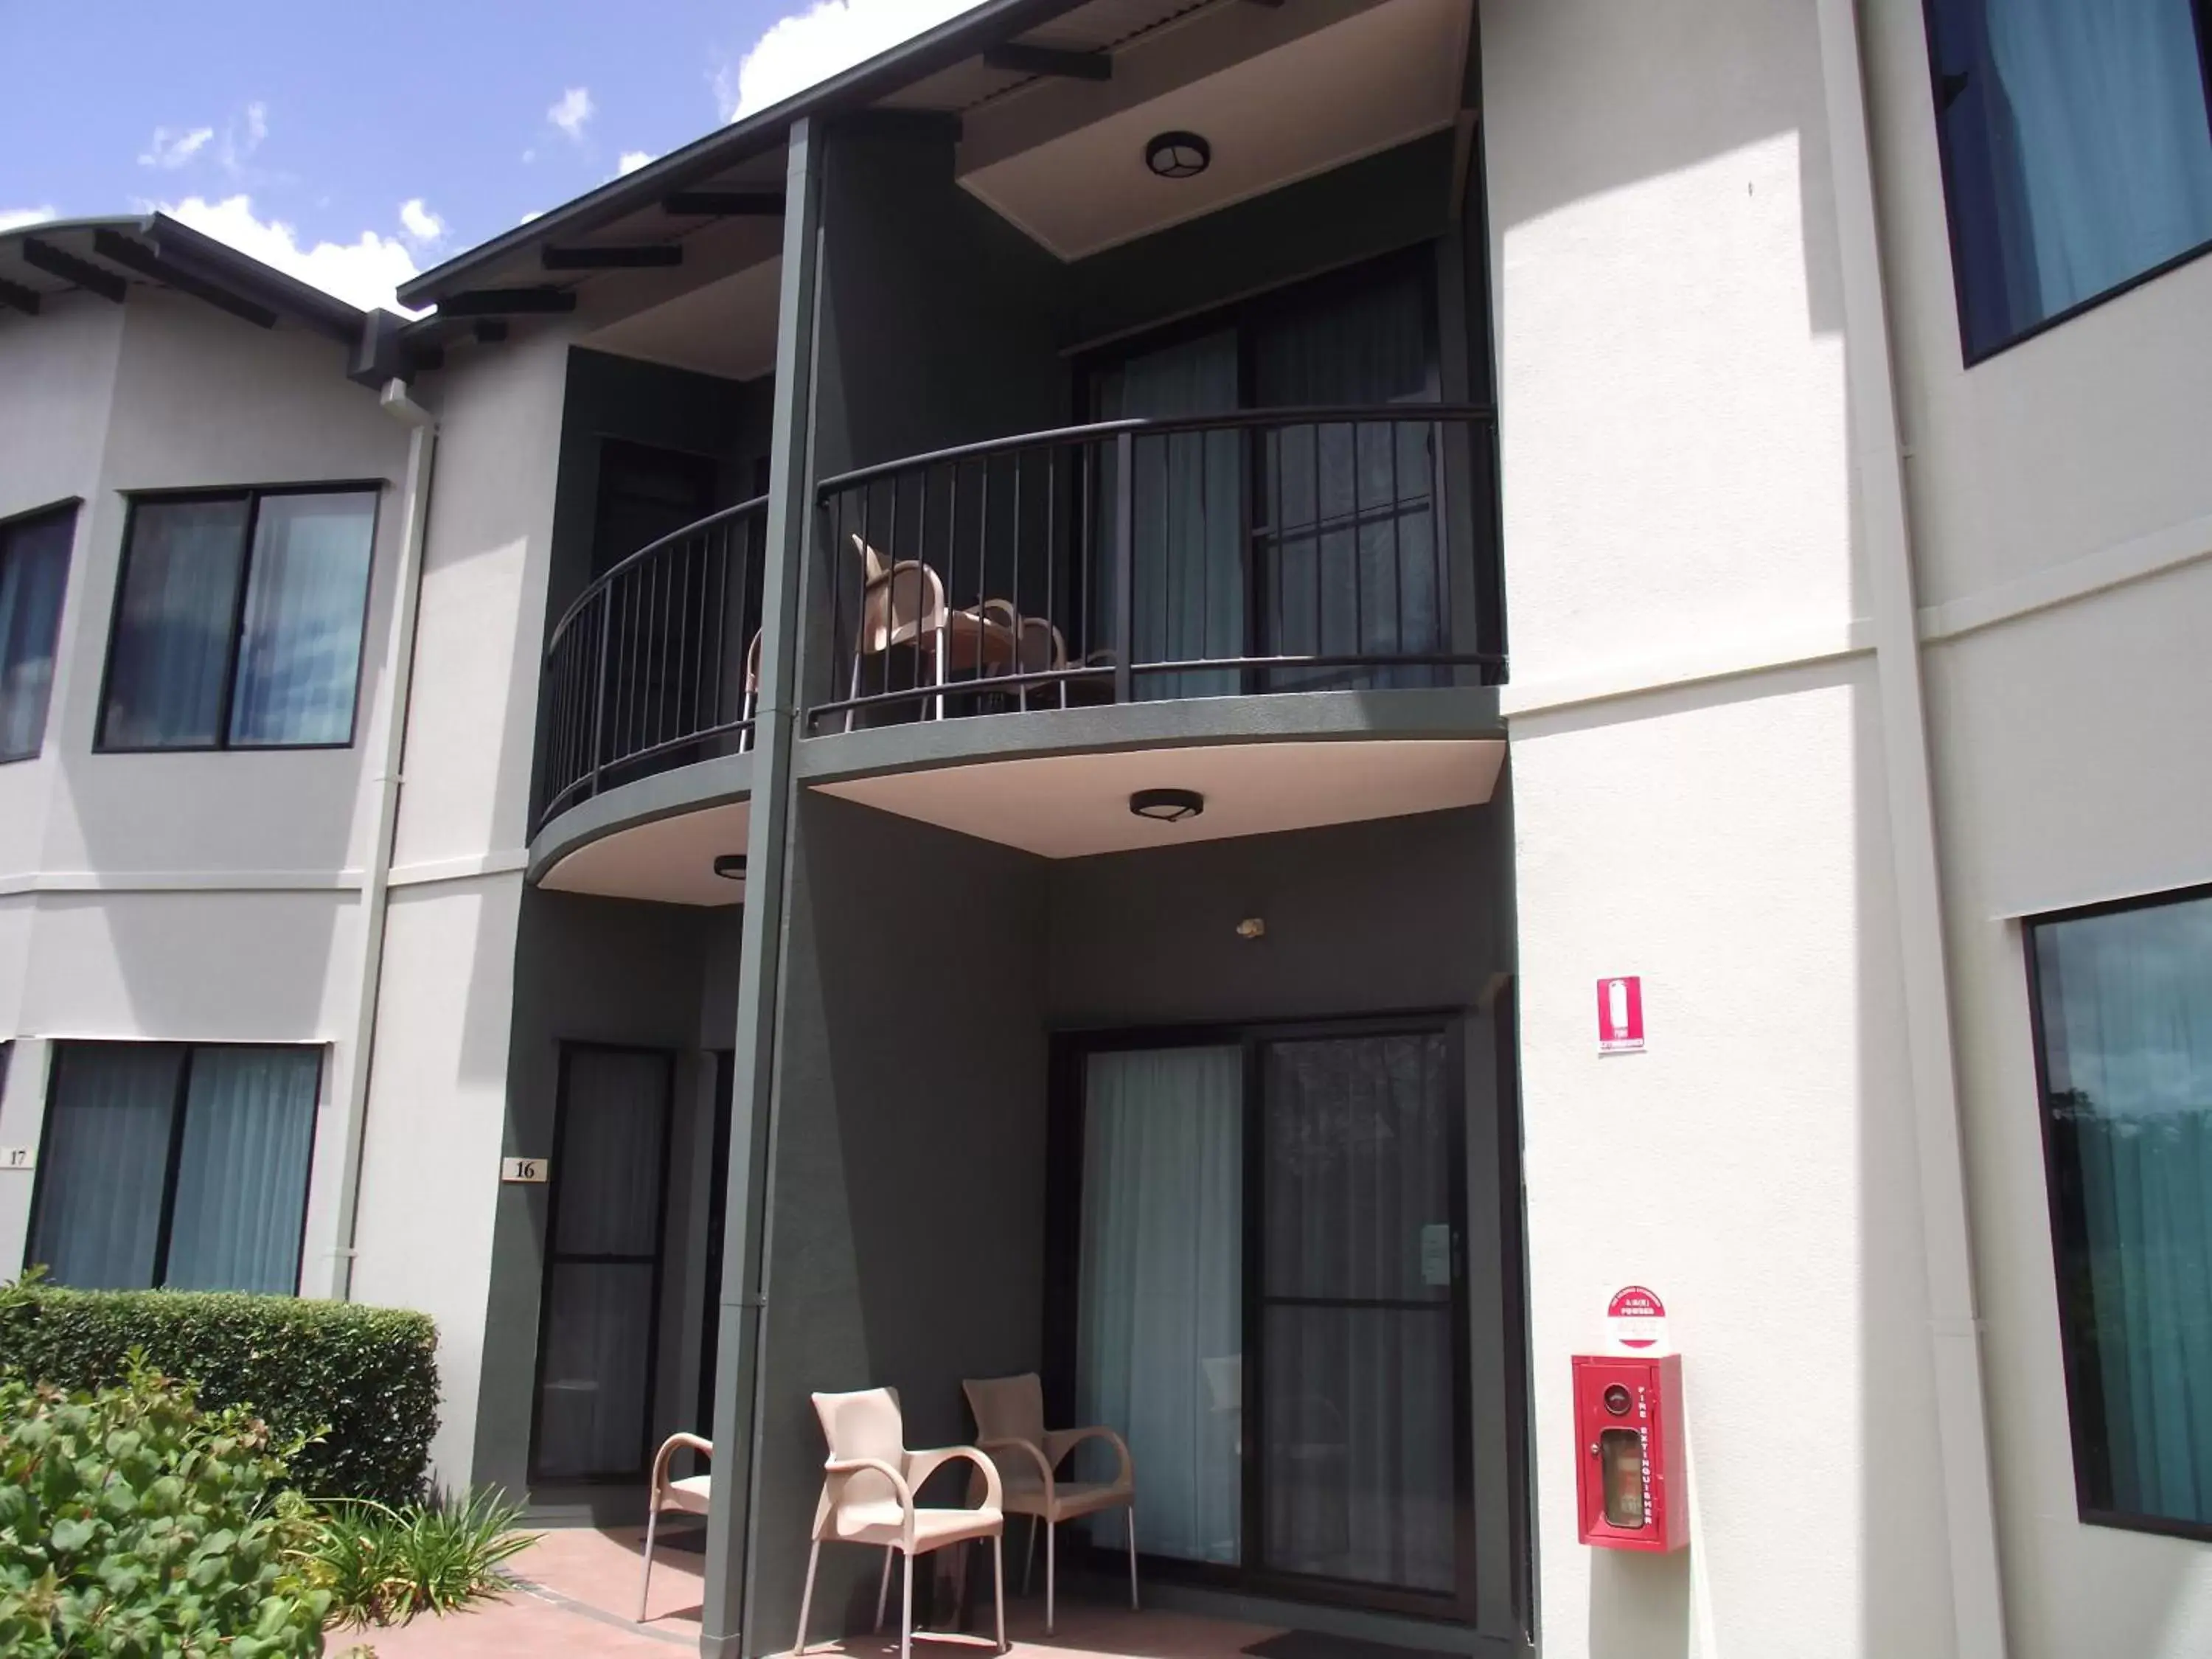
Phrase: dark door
(598, 1327)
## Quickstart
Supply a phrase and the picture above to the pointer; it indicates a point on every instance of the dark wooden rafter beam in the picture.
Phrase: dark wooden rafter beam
(120, 250)
(19, 299)
(722, 203)
(45, 257)
(1051, 60)
(508, 302)
(652, 256)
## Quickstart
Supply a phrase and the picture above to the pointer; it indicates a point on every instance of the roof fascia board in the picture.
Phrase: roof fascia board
(910, 61)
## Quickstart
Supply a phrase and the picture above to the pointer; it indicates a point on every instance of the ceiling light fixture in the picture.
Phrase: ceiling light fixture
(1178, 154)
(1167, 805)
(730, 866)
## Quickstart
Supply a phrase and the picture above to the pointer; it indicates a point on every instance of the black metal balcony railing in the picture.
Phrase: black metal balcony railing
(656, 663)
(1269, 551)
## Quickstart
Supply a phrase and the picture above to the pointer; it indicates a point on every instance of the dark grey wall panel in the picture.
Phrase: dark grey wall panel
(908, 1217)
(1395, 914)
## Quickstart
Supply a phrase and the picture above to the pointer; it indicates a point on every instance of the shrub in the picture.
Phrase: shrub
(133, 1523)
(382, 1564)
(358, 1384)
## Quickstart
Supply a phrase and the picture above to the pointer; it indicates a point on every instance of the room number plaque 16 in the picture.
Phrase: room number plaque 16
(524, 1168)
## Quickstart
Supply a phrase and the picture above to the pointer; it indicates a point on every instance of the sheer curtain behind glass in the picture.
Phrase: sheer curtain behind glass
(2127, 1030)
(1160, 1348)
(599, 1324)
(1187, 514)
(1357, 1364)
(105, 1158)
(242, 1169)
(1352, 565)
(299, 652)
(172, 621)
(33, 571)
(2079, 147)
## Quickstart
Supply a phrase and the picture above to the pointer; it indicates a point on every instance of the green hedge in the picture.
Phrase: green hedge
(366, 1377)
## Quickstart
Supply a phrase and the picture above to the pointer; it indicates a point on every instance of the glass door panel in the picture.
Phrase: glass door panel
(1359, 1466)
(1159, 1349)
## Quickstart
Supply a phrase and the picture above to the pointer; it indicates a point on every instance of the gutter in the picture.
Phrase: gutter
(1954, 1324)
(398, 674)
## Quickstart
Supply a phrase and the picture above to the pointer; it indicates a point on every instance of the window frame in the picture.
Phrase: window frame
(2082, 1386)
(73, 506)
(2201, 13)
(174, 1160)
(254, 496)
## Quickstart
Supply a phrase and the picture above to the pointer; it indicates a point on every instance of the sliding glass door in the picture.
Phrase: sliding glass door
(1270, 1306)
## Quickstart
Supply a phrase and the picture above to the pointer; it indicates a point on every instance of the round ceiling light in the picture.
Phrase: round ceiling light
(1178, 154)
(1167, 805)
(730, 866)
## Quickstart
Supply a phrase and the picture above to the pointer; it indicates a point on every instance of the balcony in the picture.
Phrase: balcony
(1214, 602)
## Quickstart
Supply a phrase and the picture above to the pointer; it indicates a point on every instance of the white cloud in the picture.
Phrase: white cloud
(422, 226)
(814, 45)
(570, 111)
(242, 138)
(631, 160)
(362, 273)
(16, 218)
(170, 151)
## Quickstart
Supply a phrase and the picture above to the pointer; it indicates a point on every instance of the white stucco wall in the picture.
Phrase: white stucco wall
(438, 1087)
(2062, 518)
(1702, 797)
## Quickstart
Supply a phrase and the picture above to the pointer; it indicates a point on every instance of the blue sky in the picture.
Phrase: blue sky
(356, 150)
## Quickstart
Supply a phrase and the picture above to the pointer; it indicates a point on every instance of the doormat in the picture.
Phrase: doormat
(1319, 1645)
(693, 1541)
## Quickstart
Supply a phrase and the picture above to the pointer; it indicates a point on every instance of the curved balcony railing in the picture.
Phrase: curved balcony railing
(655, 664)
(1220, 554)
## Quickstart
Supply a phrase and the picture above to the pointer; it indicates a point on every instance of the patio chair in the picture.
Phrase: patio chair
(689, 1495)
(1038, 648)
(1010, 1426)
(903, 603)
(868, 1488)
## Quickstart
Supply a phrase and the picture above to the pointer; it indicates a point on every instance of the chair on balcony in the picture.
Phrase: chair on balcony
(868, 1489)
(903, 603)
(750, 705)
(1010, 1426)
(689, 1495)
(1038, 649)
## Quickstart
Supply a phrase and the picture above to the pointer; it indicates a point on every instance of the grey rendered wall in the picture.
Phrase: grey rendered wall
(909, 1167)
(590, 971)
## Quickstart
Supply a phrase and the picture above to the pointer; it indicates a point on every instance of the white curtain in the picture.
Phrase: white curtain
(2127, 1025)
(2114, 149)
(1160, 1353)
(172, 624)
(106, 1158)
(33, 571)
(1187, 517)
(242, 1169)
(300, 649)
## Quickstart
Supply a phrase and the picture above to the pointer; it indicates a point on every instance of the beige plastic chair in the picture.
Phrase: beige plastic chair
(905, 603)
(689, 1495)
(867, 1498)
(1010, 1426)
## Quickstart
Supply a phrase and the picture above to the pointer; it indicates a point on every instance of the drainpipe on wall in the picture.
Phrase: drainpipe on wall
(398, 672)
(1877, 454)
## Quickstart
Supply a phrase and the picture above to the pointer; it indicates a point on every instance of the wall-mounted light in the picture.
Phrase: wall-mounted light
(1252, 927)
(730, 866)
(1167, 805)
(1178, 154)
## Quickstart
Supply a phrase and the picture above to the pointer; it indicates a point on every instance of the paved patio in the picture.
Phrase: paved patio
(577, 1596)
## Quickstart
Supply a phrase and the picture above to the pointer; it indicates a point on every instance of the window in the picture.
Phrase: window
(175, 1165)
(2077, 151)
(33, 570)
(237, 621)
(2123, 1001)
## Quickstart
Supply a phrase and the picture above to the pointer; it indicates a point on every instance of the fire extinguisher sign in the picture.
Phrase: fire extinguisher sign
(1636, 1318)
(1620, 1015)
